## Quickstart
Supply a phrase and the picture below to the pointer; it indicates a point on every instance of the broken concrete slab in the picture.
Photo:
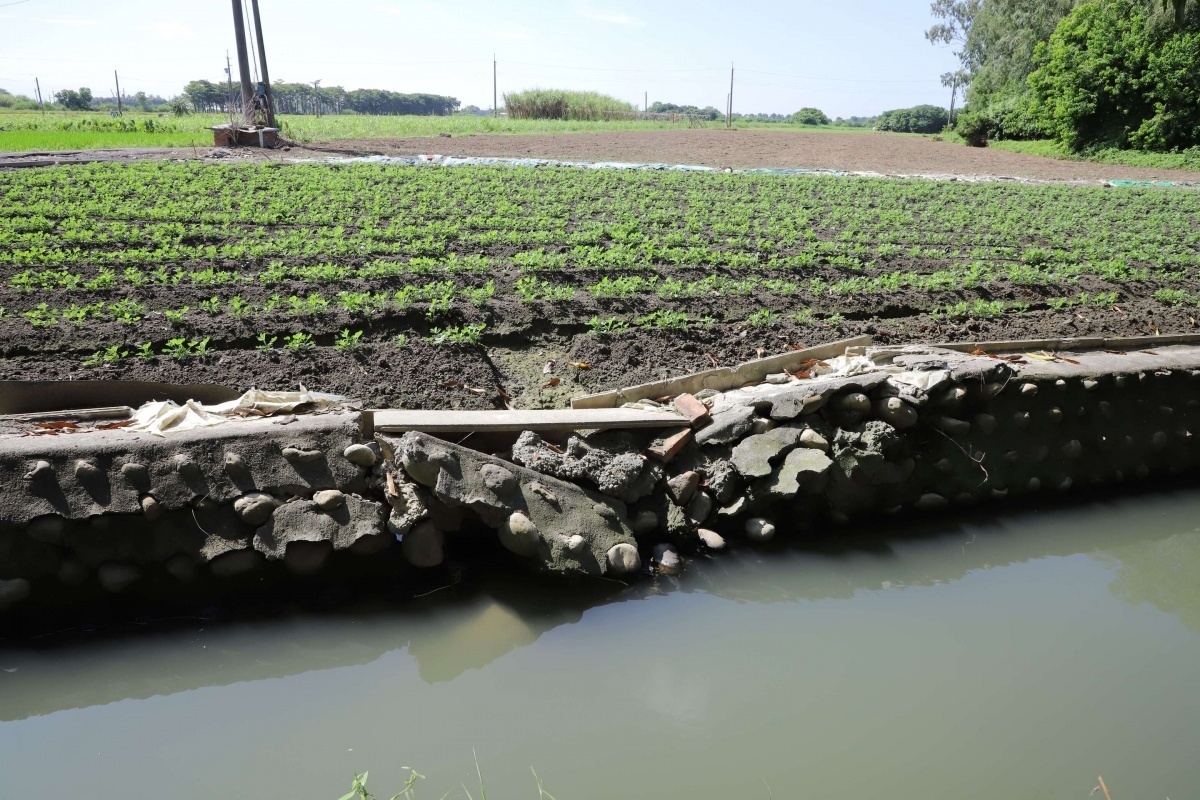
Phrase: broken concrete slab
(305, 521)
(755, 456)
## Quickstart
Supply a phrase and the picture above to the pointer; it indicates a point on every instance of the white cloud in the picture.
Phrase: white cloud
(606, 15)
(79, 21)
(514, 36)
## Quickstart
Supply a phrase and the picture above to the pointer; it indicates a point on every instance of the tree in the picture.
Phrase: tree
(142, 101)
(74, 100)
(1114, 75)
(810, 116)
(958, 17)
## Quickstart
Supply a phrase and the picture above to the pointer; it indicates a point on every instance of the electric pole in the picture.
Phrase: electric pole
(41, 105)
(729, 111)
(646, 104)
(495, 109)
(229, 76)
(239, 30)
(953, 94)
(118, 82)
(262, 62)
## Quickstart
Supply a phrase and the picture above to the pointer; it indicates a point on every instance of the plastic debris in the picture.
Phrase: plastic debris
(162, 416)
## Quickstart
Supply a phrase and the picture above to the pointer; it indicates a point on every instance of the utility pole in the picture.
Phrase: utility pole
(729, 111)
(118, 81)
(646, 103)
(495, 109)
(229, 76)
(262, 62)
(41, 105)
(239, 30)
(953, 94)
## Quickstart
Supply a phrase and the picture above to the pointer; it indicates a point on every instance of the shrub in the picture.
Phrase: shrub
(562, 104)
(973, 127)
(1114, 75)
(810, 116)
(918, 119)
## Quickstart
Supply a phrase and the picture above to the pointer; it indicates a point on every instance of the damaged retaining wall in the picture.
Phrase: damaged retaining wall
(874, 431)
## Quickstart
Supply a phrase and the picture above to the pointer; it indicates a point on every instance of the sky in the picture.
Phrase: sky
(848, 58)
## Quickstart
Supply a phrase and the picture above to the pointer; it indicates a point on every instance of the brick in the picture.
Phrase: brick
(667, 447)
(691, 408)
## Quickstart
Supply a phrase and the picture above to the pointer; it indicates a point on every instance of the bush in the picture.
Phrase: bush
(1113, 75)
(974, 127)
(810, 116)
(918, 119)
(561, 104)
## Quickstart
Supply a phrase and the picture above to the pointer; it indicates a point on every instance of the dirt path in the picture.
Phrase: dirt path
(869, 152)
(885, 153)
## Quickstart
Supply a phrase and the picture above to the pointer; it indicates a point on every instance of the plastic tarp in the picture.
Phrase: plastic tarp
(161, 417)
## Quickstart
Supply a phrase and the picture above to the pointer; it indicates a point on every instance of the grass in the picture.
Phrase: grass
(22, 131)
(1188, 159)
(565, 105)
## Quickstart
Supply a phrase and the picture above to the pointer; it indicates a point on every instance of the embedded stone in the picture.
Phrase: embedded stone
(424, 546)
(86, 470)
(759, 529)
(1055, 414)
(136, 475)
(361, 454)
(682, 487)
(574, 543)
(520, 535)
(896, 412)
(930, 501)
(151, 508)
(803, 468)
(1040, 452)
(711, 539)
(952, 426)
(700, 508)
(498, 479)
(48, 528)
(299, 455)
(235, 466)
(753, 457)
(644, 522)
(623, 559)
(813, 440)
(255, 508)
(1159, 440)
(189, 470)
(762, 425)
(1022, 420)
(951, 400)
(1089, 384)
(329, 500)
(40, 469)
(735, 508)
(1106, 409)
(666, 559)
(1072, 449)
(1029, 390)
(13, 591)
(728, 426)
(985, 423)
(117, 578)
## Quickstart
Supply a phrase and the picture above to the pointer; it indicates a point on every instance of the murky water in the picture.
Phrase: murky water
(1011, 659)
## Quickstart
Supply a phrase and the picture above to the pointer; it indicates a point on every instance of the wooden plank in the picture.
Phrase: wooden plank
(393, 420)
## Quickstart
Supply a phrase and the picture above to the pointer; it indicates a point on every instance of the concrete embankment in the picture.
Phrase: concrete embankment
(803, 442)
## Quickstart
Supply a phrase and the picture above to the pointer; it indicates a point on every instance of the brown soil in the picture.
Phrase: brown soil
(869, 152)
(889, 154)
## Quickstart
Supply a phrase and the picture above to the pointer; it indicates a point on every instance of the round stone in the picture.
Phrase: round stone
(623, 559)
(759, 529)
(424, 546)
(711, 539)
(520, 535)
(329, 500)
(644, 522)
(255, 508)
(360, 454)
(666, 559)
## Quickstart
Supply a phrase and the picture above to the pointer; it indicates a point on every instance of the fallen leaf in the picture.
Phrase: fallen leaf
(551, 382)
(1116, 352)
(112, 426)
(451, 385)
(1042, 356)
(1070, 361)
(799, 346)
(546, 370)
(57, 426)
(979, 352)
(473, 390)
(760, 352)
(503, 394)
(580, 364)
(713, 360)
(1150, 352)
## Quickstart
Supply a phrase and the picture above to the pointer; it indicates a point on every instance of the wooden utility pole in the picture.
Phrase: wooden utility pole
(239, 30)
(729, 110)
(646, 103)
(41, 105)
(495, 108)
(229, 76)
(118, 82)
(262, 64)
(953, 94)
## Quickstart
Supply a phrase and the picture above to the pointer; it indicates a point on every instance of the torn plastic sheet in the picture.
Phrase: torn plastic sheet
(165, 416)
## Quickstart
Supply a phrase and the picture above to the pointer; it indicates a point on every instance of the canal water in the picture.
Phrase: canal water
(1016, 657)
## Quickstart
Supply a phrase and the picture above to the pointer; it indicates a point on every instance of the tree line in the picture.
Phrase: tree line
(312, 98)
(1089, 74)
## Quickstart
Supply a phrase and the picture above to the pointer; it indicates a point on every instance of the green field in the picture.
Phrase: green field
(1188, 159)
(22, 131)
(153, 259)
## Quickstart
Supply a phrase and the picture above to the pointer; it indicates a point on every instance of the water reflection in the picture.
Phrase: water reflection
(1150, 541)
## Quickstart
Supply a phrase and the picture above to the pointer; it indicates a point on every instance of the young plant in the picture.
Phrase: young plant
(347, 341)
(175, 317)
(145, 351)
(110, 355)
(299, 341)
(266, 342)
(462, 334)
(211, 305)
(610, 326)
(239, 307)
(763, 318)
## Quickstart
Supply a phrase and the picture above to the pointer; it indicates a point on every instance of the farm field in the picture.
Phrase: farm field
(472, 287)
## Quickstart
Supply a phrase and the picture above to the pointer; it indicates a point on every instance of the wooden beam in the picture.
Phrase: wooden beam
(403, 420)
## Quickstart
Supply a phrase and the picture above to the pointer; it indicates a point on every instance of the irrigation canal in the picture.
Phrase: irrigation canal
(1016, 657)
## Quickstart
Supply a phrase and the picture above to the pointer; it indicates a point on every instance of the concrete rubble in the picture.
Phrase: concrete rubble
(871, 431)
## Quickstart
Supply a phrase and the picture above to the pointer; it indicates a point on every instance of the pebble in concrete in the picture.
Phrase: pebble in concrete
(39, 470)
(520, 535)
(682, 487)
(360, 454)
(623, 559)
(329, 500)
(424, 546)
(644, 522)
(255, 508)
(151, 508)
(759, 529)
(700, 508)
(896, 412)
(711, 539)
(666, 559)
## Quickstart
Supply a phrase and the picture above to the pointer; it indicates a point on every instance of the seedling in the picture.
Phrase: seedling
(176, 317)
(610, 326)
(463, 334)
(299, 341)
(266, 342)
(348, 341)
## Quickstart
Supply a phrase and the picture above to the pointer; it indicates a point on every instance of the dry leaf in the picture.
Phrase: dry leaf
(1070, 361)
(503, 394)
(473, 390)
(715, 363)
(580, 364)
(546, 370)
(1150, 352)
(979, 352)
(1042, 356)
(551, 382)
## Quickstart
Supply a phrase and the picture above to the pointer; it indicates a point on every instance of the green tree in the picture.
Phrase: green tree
(1114, 74)
(74, 100)
(810, 116)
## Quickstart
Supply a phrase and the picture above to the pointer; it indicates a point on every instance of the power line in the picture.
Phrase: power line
(844, 80)
(6, 5)
(614, 69)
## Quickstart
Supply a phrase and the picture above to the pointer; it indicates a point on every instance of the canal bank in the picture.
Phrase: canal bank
(258, 494)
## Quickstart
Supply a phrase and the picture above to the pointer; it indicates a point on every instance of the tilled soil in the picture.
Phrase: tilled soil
(889, 154)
